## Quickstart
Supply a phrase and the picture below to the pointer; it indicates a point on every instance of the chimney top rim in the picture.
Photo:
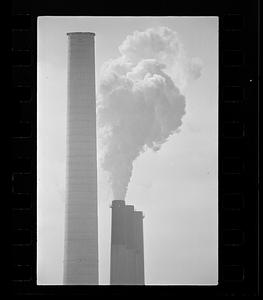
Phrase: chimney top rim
(130, 206)
(81, 33)
(122, 202)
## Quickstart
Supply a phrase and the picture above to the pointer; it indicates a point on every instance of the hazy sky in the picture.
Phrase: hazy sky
(176, 187)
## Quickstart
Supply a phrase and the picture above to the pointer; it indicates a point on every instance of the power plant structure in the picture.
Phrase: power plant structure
(81, 226)
(127, 250)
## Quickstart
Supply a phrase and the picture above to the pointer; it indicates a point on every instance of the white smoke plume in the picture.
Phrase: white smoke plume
(139, 102)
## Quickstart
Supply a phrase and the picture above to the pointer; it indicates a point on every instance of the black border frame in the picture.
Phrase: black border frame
(239, 245)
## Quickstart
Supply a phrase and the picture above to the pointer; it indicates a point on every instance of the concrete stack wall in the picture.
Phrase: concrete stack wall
(130, 245)
(118, 248)
(127, 261)
(81, 226)
(138, 217)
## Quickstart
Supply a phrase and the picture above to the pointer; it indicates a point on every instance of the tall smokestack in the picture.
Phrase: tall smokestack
(81, 235)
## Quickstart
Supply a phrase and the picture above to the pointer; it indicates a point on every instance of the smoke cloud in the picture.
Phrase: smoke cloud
(140, 103)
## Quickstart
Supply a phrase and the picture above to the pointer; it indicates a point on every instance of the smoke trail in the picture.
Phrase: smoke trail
(139, 103)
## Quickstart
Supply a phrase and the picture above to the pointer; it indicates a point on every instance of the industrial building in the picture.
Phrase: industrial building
(81, 226)
(127, 253)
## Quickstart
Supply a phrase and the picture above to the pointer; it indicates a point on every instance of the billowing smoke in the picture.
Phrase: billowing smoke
(139, 103)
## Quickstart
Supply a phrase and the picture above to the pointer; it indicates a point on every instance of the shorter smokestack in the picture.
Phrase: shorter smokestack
(130, 245)
(139, 247)
(126, 245)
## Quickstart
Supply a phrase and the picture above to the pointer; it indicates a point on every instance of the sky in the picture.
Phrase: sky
(176, 187)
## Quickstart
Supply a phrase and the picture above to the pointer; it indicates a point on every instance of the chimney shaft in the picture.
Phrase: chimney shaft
(139, 247)
(127, 261)
(81, 226)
